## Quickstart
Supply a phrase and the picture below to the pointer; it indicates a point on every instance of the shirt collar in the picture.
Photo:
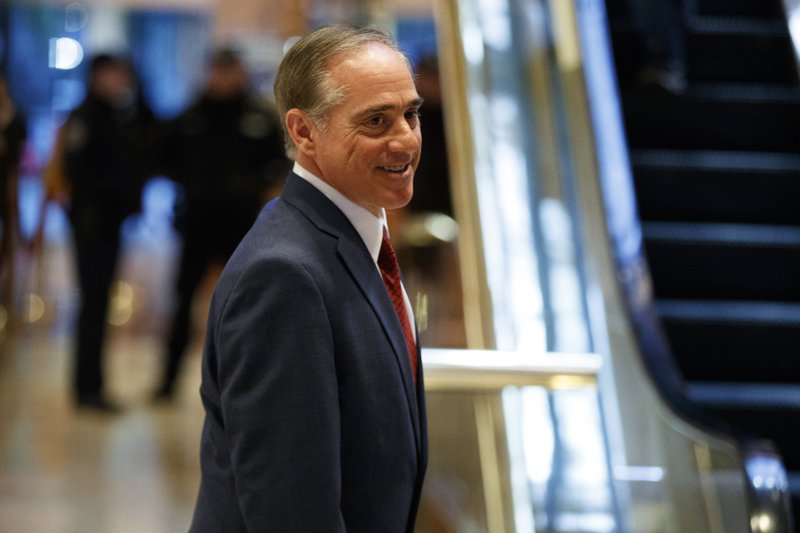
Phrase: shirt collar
(368, 226)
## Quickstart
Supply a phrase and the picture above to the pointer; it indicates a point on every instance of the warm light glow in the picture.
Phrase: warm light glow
(761, 523)
(121, 310)
(36, 308)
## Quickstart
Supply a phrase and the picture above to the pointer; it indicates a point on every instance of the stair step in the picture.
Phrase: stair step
(723, 261)
(719, 160)
(733, 341)
(740, 235)
(746, 26)
(748, 8)
(740, 49)
(715, 186)
(743, 117)
(756, 396)
(732, 312)
(761, 410)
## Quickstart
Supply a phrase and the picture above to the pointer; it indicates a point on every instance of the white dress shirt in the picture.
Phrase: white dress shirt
(368, 226)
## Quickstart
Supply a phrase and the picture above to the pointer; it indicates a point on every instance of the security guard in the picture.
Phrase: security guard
(225, 152)
(105, 163)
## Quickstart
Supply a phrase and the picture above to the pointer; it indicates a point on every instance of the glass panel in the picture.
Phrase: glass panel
(496, 463)
(548, 233)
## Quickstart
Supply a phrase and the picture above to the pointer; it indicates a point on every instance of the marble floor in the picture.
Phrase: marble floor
(64, 470)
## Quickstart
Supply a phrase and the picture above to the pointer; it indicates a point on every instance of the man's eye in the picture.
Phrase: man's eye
(376, 121)
(413, 116)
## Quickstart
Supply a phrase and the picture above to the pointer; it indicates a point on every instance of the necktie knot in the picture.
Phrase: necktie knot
(390, 271)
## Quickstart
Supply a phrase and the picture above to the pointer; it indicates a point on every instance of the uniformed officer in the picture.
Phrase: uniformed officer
(226, 152)
(105, 164)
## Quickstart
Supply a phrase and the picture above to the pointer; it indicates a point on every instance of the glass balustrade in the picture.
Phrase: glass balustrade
(551, 263)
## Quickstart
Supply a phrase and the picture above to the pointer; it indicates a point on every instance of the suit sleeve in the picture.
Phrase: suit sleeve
(279, 400)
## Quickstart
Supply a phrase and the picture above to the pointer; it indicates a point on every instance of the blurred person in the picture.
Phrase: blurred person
(432, 183)
(105, 163)
(430, 255)
(312, 384)
(226, 153)
(660, 29)
(13, 133)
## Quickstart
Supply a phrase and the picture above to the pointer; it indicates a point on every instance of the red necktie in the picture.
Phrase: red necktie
(390, 271)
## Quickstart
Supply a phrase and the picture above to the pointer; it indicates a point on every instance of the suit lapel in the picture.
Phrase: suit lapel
(329, 218)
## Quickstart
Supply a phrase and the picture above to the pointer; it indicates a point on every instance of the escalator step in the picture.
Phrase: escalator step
(728, 117)
(727, 341)
(739, 49)
(717, 186)
(723, 261)
(755, 396)
(748, 8)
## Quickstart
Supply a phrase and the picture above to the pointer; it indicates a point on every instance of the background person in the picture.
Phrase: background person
(226, 152)
(105, 157)
(13, 134)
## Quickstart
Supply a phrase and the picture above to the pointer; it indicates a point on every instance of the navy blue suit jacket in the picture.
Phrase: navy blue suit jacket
(313, 422)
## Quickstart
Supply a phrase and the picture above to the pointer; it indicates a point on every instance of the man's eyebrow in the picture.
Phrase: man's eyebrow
(416, 102)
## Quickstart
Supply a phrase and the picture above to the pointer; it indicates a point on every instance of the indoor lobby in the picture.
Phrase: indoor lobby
(601, 257)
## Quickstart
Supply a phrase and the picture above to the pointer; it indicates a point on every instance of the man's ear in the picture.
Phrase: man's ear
(300, 130)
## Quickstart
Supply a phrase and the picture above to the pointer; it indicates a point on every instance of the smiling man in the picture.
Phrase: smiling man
(312, 384)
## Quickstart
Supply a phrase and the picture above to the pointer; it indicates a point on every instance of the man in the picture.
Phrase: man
(105, 146)
(313, 390)
(226, 152)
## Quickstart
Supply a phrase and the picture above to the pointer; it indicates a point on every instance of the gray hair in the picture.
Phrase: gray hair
(304, 81)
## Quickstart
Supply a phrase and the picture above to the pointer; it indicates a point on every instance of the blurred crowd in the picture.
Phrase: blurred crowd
(225, 155)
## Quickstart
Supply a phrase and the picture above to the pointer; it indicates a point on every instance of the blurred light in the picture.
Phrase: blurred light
(761, 523)
(421, 312)
(472, 38)
(65, 53)
(36, 308)
(651, 474)
(442, 227)
(793, 15)
(76, 16)
(496, 24)
(121, 310)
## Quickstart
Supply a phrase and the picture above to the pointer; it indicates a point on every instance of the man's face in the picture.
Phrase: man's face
(370, 146)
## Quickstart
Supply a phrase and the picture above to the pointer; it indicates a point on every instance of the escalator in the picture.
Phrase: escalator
(717, 177)
(551, 256)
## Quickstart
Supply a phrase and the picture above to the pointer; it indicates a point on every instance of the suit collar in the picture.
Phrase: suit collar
(368, 226)
(328, 218)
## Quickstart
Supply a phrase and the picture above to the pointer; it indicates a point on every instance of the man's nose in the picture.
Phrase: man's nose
(404, 137)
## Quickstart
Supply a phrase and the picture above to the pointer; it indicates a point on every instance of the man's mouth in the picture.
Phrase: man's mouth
(398, 169)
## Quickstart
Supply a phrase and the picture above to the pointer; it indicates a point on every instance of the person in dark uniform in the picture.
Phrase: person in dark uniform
(432, 184)
(13, 133)
(105, 164)
(226, 153)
